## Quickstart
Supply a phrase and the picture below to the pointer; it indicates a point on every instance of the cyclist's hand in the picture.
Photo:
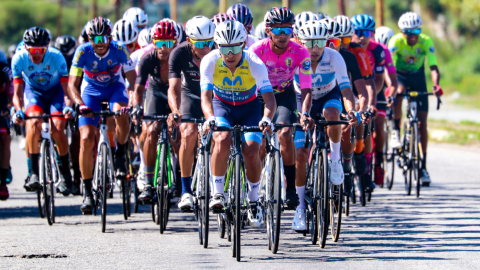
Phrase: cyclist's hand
(68, 112)
(174, 119)
(86, 111)
(266, 125)
(137, 114)
(373, 111)
(354, 117)
(206, 124)
(391, 101)
(12, 111)
(124, 111)
(437, 90)
(18, 117)
(306, 125)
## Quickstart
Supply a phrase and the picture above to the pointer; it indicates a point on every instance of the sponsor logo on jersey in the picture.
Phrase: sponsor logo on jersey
(41, 78)
(228, 81)
(288, 61)
(109, 62)
(63, 67)
(392, 49)
(57, 105)
(431, 49)
(306, 65)
(190, 65)
(223, 71)
(75, 61)
(243, 67)
(102, 78)
(382, 55)
(410, 60)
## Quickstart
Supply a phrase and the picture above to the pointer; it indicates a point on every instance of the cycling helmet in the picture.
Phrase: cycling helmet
(409, 20)
(260, 31)
(346, 26)
(302, 18)
(221, 17)
(136, 15)
(363, 22)
(36, 36)
(230, 32)
(165, 29)
(279, 15)
(383, 35)
(313, 30)
(66, 44)
(99, 27)
(200, 27)
(125, 31)
(334, 29)
(145, 38)
(241, 13)
(181, 33)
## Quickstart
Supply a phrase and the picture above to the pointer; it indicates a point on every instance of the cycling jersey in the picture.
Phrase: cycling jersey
(411, 58)
(281, 68)
(50, 72)
(377, 57)
(137, 55)
(149, 69)
(5, 85)
(388, 60)
(353, 69)
(238, 88)
(105, 70)
(331, 73)
(362, 59)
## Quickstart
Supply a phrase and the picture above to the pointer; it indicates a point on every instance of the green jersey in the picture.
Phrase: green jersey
(411, 58)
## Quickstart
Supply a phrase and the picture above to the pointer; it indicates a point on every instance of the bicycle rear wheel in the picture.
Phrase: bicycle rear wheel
(206, 200)
(312, 206)
(274, 202)
(161, 190)
(336, 205)
(46, 180)
(415, 160)
(238, 207)
(40, 204)
(322, 206)
(102, 178)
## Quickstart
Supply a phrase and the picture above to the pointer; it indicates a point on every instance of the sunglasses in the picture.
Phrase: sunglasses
(279, 30)
(167, 43)
(346, 40)
(410, 32)
(231, 49)
(200, 44)
(37, 50)
(311, 43)
(99, 39)
(364, 33)
(335, 42)
(131, 45)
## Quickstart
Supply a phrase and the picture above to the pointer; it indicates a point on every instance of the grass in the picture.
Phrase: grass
(463, 133)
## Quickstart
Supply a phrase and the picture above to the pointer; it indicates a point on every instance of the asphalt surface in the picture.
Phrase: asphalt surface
(439, 230)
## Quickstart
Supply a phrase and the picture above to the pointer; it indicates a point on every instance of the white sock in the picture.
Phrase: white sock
(301, 197)
(142, 159)
(253, 191)
(335, 151)
(218, 184)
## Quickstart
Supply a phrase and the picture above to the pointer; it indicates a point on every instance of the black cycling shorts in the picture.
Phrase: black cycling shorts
(381, 97)
(415, 82)
(156, 105)
(286, 106)
(190, 107)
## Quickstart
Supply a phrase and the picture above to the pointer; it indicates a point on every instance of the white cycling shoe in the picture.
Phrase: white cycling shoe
(336, 171)
(141, 182)
(299, 221)
(395, 139)
(186, 202)
(217, 202)
(255, 215)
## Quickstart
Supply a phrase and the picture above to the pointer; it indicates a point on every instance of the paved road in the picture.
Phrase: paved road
(440, 230)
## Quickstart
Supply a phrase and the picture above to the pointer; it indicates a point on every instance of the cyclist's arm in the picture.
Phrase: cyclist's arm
(260, 74)
(391, 80)
(131, 76)
(270, 105)
(18, 93)
(348, 99)
(379, 82)
(343, 81)
(73, 85)
(174, 82)
(143, 68)
(435, 73)
(362, 93)
(372, 97)
(305, 79)
(207, 68)
(357, 78)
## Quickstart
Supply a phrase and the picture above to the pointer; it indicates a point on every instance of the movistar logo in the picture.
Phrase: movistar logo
(227, 80)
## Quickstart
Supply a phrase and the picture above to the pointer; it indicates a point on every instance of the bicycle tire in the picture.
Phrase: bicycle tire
(206, 200)
(103, 180)
(162, 175)
(390, 172)
(313, 224)
(322, 208)
(238, 207)
(136, 193)
(416, 160)
(40, 205)
(336, 205)
(347, 205)
(123, 191)
(277, 201)
(221, 226)
(44, 180)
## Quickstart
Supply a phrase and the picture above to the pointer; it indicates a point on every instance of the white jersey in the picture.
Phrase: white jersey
(249, 41)
(330, 72)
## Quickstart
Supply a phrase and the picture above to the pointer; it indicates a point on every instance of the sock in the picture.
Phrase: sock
(290, 175)
(424, 161)
(253, 191)
(359, 146)
(3, 176)
(301, 197)
(142, 160)
(335, 151)
(149, 174)
(368, 157)
(186, 185)
(378, 158)
(218, 184)
(347, 162)
(35, 166)
(396, 124)
(88, 186)
(29, 166)
(76, 170)
(65, 168)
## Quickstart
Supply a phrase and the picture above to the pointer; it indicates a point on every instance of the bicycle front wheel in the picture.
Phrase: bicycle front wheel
(274, 203)
(161, 189)
(238, 207)
(336, 205)
(103, 177)
(206, 200)
(416, 160)
(322, 206)
(46, 180)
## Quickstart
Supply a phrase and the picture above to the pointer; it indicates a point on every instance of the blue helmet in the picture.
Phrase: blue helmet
(241, 13)
(363, 22)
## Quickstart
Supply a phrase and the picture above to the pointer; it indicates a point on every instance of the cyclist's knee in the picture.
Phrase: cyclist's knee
(222, 140)
(152, 133)
(302, 155)
(189, 133)
(331, 113)
(285, 135)
(251, 152)
(87, 136)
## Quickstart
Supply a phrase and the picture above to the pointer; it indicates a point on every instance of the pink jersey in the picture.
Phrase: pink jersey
(388, 60)
(137, 55)
(281, 68)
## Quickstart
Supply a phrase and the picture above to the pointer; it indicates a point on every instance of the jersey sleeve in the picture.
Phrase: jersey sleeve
(61, 67)
(260, 74)
(78, 62)
(388, 61)
(143, 70)
(379, 60)
(393, 48)
(363, 62)
(125, 59)
(430, 50)
(6, 79)
(17, 68)
(175, 64)
(305, 69)
(207, 68)
(352, 66)
(341, 74)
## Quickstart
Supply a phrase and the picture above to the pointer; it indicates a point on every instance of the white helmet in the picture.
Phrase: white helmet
(383, 35)
(145, 37)
(125, 31)
(302, 18)
(230, 32)
(200, 27)
(136, 15)
(260, 31)
(334, 29)
(346, 27)
(409, 20)
(313, 30)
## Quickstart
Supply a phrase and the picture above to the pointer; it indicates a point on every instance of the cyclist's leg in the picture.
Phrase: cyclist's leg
(302, 156)
(331, 112)
(379, 136)
(5, 140)
(420, 85)
(117, 100)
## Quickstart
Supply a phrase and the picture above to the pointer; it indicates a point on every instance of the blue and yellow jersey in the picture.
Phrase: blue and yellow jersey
(50, 72)
(105, 70)
(238, 88)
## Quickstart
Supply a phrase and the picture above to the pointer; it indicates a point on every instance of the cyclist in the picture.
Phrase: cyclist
(153, 67)
(282, 57)
(40, 83)
(66, 45)
(5, 139)
(137, 16)
(126, 31)
(221, 17)
(235, 103)
(102, 60)
(243, 14)
(184, 93)
(330, 84)
(301, 19)
(409, 50)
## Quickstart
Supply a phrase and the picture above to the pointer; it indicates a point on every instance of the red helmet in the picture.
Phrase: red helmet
(164, 29)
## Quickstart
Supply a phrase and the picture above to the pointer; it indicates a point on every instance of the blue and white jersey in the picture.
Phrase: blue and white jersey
(331, 71)
(49, 73)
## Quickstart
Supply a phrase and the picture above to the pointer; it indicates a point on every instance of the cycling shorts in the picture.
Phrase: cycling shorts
(49, 101)
(286, 106)
(156, 105)
(382, 108)
(332, 99)
(248, 114)
(415, 81)
(93, 96)
(190, 107)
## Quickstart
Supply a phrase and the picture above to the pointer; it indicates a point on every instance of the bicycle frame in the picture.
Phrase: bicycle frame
(104, 140)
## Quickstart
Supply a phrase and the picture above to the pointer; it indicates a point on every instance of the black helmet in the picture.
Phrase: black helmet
(36, 36)
(66, 44)
(279, 15)
(99, 27)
